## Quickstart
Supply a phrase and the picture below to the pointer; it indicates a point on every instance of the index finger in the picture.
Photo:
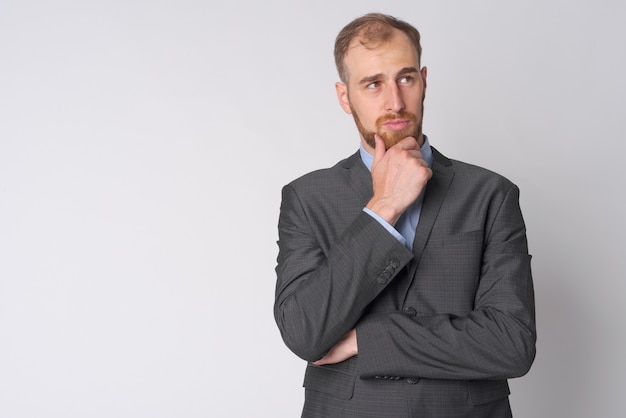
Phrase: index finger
(379, 149)
(408, 143)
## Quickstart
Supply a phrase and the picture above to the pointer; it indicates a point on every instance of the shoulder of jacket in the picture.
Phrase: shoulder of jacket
(469, 171)
(324, 174)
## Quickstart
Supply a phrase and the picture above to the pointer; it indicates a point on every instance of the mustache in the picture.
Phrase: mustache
(399, 115)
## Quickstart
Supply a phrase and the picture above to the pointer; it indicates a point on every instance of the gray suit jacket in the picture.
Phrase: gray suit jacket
(439, 329)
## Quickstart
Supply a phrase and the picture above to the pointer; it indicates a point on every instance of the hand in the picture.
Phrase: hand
(342, 351)
(399, 175)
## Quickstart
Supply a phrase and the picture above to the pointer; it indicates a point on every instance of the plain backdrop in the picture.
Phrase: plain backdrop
(143, 147)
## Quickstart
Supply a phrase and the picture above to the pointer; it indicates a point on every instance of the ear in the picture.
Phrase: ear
(424, 72)
(342, 96)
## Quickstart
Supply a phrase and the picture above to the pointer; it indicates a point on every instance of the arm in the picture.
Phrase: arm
(494, 340)
(322, 290)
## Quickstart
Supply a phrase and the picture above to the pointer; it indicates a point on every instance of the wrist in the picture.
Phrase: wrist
(385, 209)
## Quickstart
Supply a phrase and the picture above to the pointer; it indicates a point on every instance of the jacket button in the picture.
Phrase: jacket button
(410, 311)
(412, 380)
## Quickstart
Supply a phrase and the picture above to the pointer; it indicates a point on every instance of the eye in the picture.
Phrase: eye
(406, 80)
(373, 85)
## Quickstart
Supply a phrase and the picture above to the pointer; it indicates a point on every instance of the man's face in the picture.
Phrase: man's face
(385, 91)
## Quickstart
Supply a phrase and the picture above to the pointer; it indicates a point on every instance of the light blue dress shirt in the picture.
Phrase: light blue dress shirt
(404, 230)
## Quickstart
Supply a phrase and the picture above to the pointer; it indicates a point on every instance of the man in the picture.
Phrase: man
(403, 276)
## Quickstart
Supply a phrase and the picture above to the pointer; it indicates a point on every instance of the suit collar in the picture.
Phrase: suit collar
(440, 158)
(360, 178)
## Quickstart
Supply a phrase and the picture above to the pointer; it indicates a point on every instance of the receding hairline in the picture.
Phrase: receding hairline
(371, 31)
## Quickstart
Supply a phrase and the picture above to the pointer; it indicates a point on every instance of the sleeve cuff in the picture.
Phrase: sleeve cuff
(386, 225)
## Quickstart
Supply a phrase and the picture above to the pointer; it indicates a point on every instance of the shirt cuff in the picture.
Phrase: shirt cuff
(386, 225)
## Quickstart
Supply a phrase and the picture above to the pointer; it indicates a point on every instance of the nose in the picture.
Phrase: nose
(393, 100)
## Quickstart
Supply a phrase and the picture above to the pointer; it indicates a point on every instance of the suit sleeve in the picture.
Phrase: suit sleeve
(496, 340)
(324, 285)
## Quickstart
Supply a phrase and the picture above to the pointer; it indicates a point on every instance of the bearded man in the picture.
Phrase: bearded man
(403, 276)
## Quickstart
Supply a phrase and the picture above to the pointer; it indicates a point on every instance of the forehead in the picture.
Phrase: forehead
(383, 58)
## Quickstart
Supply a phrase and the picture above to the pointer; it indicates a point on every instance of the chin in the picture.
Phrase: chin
(391, 138)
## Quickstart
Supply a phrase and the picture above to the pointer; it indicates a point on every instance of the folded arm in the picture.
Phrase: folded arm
(323, 288)
(495, 340)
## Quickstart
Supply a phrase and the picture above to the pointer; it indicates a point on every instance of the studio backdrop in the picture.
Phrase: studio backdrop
(143, 147)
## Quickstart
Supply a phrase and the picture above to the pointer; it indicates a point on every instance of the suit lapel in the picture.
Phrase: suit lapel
(360, 179)
(435, 194)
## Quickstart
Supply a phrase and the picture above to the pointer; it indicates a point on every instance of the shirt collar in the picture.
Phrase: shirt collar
(427, 154)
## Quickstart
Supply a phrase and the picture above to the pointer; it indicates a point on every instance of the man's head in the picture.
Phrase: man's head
(382, 85)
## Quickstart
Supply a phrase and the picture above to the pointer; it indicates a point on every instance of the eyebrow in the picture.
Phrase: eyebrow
(407, 70)
(371, 78)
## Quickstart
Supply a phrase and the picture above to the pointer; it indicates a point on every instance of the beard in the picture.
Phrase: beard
(391, 138)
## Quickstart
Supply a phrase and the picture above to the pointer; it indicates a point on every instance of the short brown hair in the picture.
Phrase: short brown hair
(372, 29)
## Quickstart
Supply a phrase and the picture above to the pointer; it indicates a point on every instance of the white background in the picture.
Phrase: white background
(143, 146)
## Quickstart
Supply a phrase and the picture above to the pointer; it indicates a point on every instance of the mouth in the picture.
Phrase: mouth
(396, 124)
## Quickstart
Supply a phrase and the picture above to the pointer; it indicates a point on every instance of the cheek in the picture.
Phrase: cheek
(367, 117)
(416, 99)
